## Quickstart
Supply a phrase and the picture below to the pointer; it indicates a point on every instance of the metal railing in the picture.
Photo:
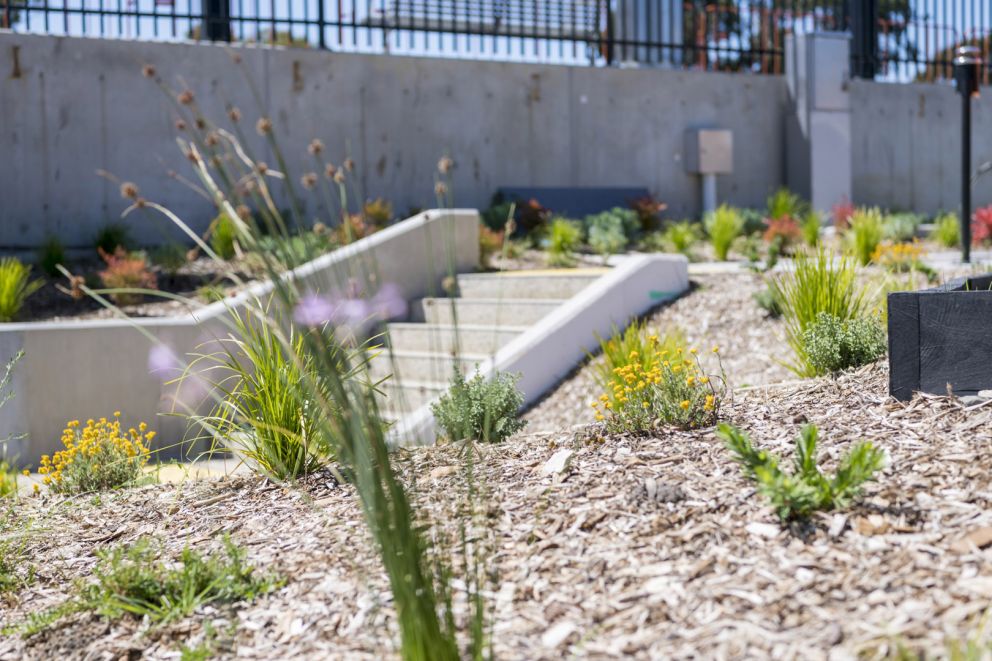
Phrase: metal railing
(893, 39)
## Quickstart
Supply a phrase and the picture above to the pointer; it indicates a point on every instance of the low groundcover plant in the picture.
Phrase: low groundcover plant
(480, 409)
(832, 345)
(806, 490)
(98, 456)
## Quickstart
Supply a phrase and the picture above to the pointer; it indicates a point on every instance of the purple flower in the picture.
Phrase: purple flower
(163, 361)
(352, 312)
(313, 310)
(389, 303)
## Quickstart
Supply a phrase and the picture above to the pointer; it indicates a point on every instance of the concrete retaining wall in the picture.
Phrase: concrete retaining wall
(73, 105)
(88, 369)
(906, 145)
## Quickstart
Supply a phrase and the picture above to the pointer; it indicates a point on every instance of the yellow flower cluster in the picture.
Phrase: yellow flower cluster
(673, 389)
(97, 456)
(896, 255)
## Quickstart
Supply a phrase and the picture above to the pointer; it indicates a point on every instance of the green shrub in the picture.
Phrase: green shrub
(947, 230)
(901, 227)
(723, 226)
(832, 345)
(865, 234)
(112, 236)
(479, 409)
(211, 293)
(564, 237)
(8, 480)
(754, 221)
(223, 237)
(765, 298)
(673, 389)
(170, 257)
(606, 234)
(15, 287)
(680, 237)
(496, 216)
(783, 203)
(51, 254)
(806, 490)
(269, 389)
(817, 283)
(379, 212)
(811, 228)
(134, 580)
(626, 219)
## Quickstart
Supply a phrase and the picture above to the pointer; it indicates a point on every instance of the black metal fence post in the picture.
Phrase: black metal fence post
(217, 19)
(864, 38)
(610, 34)
(321, 40)
(968, 67)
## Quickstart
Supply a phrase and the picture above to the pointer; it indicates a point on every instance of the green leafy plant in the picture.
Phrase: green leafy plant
(785, 204)
(832, 345)
(223, 236)
(606, 234)
(169, 257)
(15, 287)
(51, 254)
(865, 233)
(126, 272)
(672, 389)
(564, 238)
(754, 221)
(495, 217)
(817, 283)
(112, 236)
(797, 495)
(134, 580)
(947, 230)
(680, 237)
(811, 229)
(8, 480)
(901, 227)
(723, 227)
(480, 409)
(765, 298)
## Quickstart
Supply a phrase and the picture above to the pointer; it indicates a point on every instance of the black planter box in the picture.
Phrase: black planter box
(941, 337)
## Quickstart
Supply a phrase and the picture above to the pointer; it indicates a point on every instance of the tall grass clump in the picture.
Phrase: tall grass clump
(811, 229)
(51, 254)
(947, 230)
(818, 283)
(866, 231)
(783, 203)
(636, 339)
(15, 287)
(680, 237)
(564, 237)
(723, 227)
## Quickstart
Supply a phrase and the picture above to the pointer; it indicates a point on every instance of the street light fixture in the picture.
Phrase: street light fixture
(968, 66)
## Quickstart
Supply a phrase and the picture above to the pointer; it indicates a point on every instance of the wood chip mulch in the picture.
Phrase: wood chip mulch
(643, 547)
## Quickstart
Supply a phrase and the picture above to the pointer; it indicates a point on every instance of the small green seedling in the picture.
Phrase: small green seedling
(806, 490)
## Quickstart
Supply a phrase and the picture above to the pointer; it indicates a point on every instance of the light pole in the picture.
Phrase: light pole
(967, 74)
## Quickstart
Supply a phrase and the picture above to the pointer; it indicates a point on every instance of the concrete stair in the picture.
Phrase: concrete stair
(492, 309)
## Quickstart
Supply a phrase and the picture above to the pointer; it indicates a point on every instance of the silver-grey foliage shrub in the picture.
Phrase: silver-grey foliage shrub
(480, 409)
(833, 345)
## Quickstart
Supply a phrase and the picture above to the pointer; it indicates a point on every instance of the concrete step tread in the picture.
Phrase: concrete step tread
(584, 274)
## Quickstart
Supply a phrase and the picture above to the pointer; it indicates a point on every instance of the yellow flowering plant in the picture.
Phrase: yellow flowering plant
(97, 456)
(674, 389)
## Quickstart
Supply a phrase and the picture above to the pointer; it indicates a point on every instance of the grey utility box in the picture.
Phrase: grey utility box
(709, 151)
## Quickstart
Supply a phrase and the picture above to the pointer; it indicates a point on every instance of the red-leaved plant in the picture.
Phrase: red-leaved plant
(126, 271)
(783, 229)
(841, 213)
(981, 225)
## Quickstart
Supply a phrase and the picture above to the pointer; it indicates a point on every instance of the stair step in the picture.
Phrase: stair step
(536, 284)
(405, 366)
(401, 398)
(488, 311)
(441, 338)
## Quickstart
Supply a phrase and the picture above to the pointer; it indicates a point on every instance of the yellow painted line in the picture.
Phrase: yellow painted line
(593, 270)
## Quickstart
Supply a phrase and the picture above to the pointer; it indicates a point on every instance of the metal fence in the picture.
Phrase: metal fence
(892, 39)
